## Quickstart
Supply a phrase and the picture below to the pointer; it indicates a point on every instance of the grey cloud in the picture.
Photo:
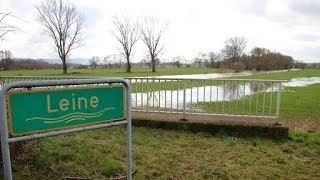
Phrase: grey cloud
(311, 7)
(92, 15)
(308, 37)
(253, 7)
(308, 54)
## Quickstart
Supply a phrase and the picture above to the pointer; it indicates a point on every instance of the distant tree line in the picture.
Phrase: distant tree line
(7, 62)
(262, 59)
(233, 56)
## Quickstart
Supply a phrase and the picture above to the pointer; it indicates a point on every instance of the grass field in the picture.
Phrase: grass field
(165, 154)
(136, 71)
(285, 75)
(143, 71)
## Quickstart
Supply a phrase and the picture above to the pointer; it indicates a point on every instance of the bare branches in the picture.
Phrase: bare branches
(63, 23)
(4, 27)
(234, 48)
(151, 36)
(127, 34)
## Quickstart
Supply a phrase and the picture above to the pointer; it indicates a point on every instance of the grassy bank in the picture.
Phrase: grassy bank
(165, 154)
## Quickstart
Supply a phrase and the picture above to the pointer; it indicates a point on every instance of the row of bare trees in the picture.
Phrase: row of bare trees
(127, 34)
(64, 23)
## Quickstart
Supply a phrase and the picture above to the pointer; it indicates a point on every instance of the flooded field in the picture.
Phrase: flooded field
(226, 92)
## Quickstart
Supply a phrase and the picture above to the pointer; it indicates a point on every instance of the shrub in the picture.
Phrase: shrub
(238, 66)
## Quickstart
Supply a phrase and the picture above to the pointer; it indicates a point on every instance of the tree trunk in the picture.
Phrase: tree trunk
(153, 64)
(4, 64)
(64, 65)
(128, 68)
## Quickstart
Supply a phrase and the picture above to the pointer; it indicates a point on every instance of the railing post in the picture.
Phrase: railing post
(278, 119)
(184, 104)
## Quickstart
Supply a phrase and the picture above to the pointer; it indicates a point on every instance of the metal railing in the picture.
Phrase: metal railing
(223, 97)
(245, 98)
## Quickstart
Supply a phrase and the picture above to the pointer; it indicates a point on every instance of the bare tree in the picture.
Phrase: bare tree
(200, 59)
(258, 52)
(4, 27)
(94, 61)
(127, 35)
(234, 48)
(6, 59)
(212, 59)
(152, 36)
(215, 59)
(178, 61)
(107, 60)
(63, 23)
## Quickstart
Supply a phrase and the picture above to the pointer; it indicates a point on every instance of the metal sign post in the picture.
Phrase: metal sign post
(42, 113)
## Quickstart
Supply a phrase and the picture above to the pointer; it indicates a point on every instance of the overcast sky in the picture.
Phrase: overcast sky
(291, 27)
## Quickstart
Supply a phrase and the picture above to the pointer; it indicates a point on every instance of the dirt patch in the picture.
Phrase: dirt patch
(303, 125)
(236, 126)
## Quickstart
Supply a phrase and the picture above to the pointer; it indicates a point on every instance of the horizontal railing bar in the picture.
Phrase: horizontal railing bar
(48, 77)
(217, 79)
(65, 131)
(200, 113)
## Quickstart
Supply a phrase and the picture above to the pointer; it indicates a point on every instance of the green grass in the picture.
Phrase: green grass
(301, 103)
(143, 71)
(136, 71)
(285, 75)
(165, 154)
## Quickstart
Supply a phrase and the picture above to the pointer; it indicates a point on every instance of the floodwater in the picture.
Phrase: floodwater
(204, 76)
(214, 75)
(301, 82)
(227, 92)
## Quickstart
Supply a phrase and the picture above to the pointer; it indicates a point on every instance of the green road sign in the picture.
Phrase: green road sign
(43, 110)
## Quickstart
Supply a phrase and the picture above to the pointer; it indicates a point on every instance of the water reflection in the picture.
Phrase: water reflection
(227, 92)
(174, 98)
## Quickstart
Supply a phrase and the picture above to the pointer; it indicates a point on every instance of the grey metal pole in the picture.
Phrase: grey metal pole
(184, 103)
(4, 138)
(278, 104)
(128, 129)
